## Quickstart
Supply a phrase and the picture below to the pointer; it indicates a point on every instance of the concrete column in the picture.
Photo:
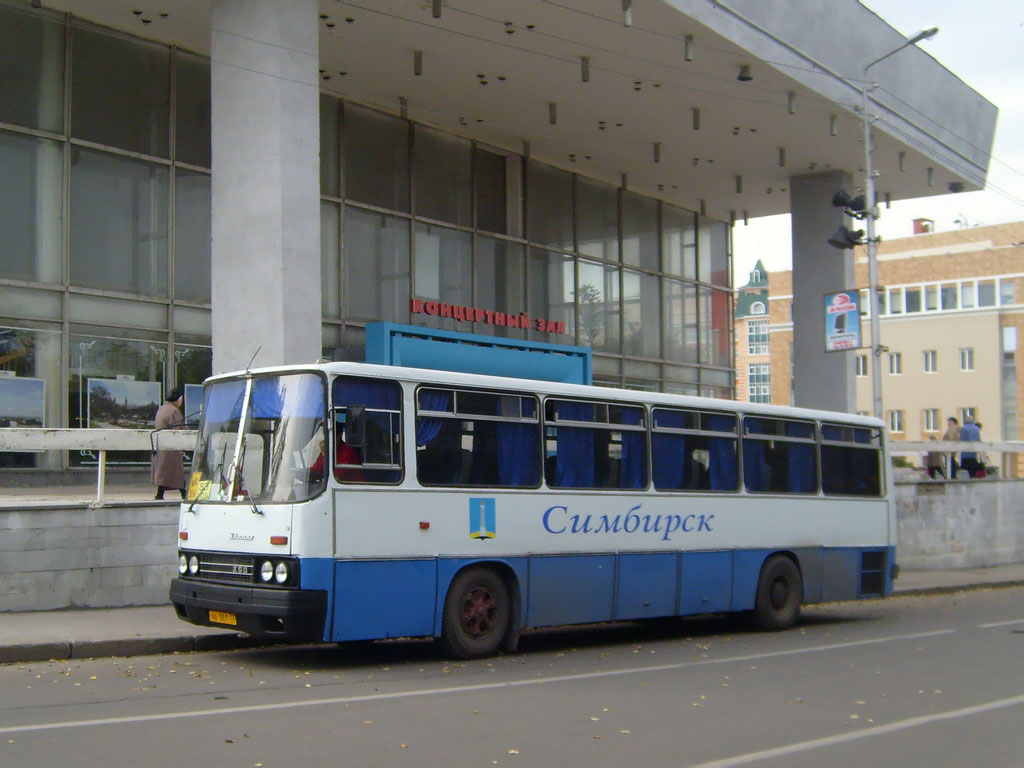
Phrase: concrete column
(820, 379)
(266, 182)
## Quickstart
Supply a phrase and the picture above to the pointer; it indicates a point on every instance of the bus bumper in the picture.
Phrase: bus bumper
(275, 614)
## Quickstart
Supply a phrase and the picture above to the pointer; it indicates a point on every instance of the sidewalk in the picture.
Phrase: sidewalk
(43, 635)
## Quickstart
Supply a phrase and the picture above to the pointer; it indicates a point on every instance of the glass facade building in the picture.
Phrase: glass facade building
(105, 223)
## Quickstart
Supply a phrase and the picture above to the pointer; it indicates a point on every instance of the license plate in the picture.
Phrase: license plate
(221, 617)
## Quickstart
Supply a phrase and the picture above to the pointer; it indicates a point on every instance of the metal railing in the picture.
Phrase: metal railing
(103, 440)
(1005, 449)
(100, 440)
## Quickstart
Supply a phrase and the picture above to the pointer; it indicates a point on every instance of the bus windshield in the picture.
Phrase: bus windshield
(260, 439)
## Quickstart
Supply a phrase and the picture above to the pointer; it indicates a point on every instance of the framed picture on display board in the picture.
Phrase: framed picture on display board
(193, 404)
(22, 403)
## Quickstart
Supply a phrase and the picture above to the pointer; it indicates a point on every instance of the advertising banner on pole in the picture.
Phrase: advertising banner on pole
(842, 321)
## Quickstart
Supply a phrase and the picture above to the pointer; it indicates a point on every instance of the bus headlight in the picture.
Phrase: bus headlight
(267, 571)
(193, 565)
(281, 573)
(182, 564)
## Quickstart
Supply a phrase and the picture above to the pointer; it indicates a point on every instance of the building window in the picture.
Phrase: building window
(913, 299)
(895, 421)
(968, 295)
(1007, 293)
(968, 412)
(987, 293)
(119, 223)
(895, 301)
(895, 363)
(757, 337)
(759, 383)
(758, 308)
(931, 419)
(967, 358)
(949, 293)
(862, 366)
(931, 361)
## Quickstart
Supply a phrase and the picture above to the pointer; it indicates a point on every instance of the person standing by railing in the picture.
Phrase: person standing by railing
(952, 434)
(168, 470)
(933, 463)
(969, 459)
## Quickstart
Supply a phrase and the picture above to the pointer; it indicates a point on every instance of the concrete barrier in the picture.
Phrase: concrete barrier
(75, 555)
(950, 525)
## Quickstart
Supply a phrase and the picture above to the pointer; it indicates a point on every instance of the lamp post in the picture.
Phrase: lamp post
(872, 214)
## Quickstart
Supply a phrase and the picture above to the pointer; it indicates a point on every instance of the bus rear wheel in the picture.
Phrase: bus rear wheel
(476, 614)
(780, 591)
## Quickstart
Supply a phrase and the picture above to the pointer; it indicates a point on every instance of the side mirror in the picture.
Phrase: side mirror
(355, 425)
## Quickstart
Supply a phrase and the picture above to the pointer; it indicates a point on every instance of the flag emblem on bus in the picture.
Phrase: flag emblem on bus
(482, 519)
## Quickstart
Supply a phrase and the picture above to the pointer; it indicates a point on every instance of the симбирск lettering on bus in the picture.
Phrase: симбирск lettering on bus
(558, 519)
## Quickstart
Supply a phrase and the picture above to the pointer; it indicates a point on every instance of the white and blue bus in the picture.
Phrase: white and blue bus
(347, 501)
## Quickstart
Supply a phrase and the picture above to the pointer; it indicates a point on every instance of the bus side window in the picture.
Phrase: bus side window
(590, 445)
(474, 438)
(367, 430)
(851, 461)
(690, 450)
(779, 456)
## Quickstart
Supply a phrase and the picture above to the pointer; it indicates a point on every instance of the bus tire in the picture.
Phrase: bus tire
(476, 614)
(780, 591)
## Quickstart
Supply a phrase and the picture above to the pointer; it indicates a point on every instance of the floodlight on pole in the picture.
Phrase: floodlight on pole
(871, 211)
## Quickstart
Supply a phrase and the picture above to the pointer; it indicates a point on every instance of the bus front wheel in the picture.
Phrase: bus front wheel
(476, 614)
(780, 592)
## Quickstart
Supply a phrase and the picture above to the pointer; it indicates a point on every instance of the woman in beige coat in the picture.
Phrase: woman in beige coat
(168, 470)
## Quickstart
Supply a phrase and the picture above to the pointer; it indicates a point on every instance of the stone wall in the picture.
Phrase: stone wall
(124, 554)
(78, 557)
(971, 524)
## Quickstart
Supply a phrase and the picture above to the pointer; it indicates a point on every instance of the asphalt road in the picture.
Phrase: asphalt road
(912, 681)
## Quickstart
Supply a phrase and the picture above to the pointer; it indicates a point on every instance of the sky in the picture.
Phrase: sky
(981, 43)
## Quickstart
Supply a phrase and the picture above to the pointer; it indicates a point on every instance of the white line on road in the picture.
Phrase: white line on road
(464, 688)
(1001, 624)
(913, 722)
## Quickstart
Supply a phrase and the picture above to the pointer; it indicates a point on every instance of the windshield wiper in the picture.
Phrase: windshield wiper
(252, 502)
(241, 482)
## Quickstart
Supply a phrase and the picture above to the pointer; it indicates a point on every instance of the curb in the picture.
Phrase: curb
(96, 649)
(947, 590)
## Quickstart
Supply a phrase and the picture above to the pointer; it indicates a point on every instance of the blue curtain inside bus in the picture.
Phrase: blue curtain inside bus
(633, 473)
(517, 454)
(669, 465)
(369, 393)
(723, 472)
(801, 469)
(222, 401)
(298, 396)
(574, 447)
(431, 400)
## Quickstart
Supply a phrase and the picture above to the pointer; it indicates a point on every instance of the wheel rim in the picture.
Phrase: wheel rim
(779, 594)
(479, 609)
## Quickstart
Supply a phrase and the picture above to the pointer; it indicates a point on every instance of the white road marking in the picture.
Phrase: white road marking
(1001, 624)
(881, 730)
(463, 688)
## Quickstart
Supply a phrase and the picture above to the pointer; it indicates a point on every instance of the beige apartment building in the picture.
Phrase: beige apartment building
(952, 311)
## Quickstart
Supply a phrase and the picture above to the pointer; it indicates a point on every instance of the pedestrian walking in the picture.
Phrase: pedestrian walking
(168, 470)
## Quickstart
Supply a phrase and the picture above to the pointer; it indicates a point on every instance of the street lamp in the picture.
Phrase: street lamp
(872, 215)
